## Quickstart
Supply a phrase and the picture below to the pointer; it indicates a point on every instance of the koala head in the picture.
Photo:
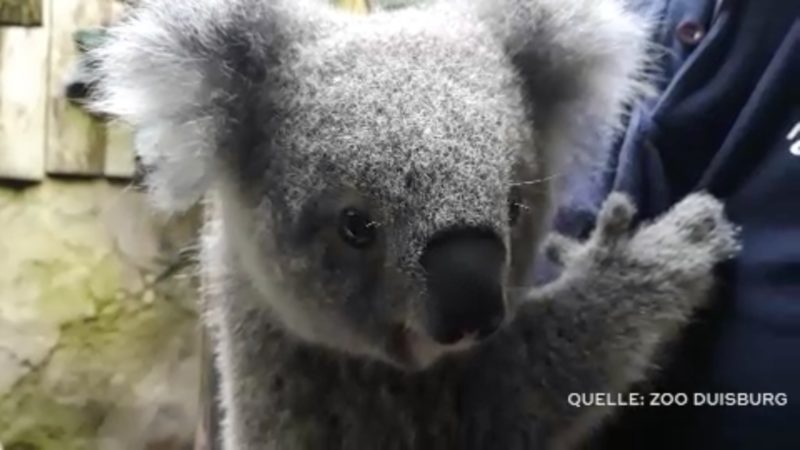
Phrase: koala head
(380, 181)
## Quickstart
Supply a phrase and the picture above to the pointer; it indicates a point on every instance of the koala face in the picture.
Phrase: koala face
(381, 181)
(390, 202)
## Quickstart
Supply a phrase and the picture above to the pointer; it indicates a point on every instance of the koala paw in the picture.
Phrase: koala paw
(675, 253)
(692, 236)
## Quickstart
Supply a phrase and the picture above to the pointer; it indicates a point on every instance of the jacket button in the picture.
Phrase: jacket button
(690, 32)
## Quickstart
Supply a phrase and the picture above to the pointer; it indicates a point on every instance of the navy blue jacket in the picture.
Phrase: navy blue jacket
(728, 122)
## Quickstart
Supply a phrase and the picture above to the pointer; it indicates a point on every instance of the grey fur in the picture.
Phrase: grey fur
(283, 112)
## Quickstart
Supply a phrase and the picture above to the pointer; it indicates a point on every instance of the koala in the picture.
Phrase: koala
(375, 189)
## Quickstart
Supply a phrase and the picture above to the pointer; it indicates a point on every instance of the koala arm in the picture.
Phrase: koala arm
(597, 328)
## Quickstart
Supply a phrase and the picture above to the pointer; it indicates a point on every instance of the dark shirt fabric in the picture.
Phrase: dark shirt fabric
(727, 121)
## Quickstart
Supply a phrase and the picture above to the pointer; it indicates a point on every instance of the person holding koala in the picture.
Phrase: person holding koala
(375, 187)
(727, 120)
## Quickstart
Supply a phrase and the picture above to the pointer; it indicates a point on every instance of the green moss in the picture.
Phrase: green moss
(60, 405)
(29, 419)
(65, 271)
(64, 293)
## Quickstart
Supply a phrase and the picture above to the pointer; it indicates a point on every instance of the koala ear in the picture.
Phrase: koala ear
(582, 62)
(180, 72)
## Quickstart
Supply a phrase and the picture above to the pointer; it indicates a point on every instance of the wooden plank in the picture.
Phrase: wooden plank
(119, 161)
(75, 140)
(23, 101)
(357, 6)
(119, 138)
(21, 12)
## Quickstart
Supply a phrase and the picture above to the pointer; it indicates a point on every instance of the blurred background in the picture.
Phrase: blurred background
(100, 346)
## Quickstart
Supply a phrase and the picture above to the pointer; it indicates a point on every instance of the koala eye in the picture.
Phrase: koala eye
(356, 228)
(514, 206)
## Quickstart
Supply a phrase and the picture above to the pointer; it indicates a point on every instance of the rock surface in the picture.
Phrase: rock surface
(98, 330)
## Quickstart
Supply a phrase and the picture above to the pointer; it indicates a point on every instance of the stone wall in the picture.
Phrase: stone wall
(98, 330)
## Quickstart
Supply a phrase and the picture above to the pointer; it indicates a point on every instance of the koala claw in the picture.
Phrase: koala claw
(615, 218)
(560, 249)
(613, 224)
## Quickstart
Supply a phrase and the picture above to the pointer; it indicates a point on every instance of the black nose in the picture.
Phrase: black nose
(464, 275)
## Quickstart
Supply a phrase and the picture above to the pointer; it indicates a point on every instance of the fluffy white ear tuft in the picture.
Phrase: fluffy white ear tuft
(177, 71)
(583, 62)
(150, 76)
(177, 158)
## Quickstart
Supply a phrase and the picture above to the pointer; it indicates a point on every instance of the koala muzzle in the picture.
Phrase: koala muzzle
(464, 271)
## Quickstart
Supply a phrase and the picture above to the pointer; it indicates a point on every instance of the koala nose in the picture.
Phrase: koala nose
(464, 278)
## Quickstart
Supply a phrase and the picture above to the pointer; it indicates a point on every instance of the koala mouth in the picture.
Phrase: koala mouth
(415, 351)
